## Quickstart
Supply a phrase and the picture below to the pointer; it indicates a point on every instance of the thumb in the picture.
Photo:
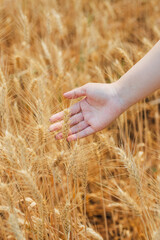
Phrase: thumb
(75, 93)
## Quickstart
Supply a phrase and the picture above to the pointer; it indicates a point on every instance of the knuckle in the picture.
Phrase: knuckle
(88, 84)
(74, 93)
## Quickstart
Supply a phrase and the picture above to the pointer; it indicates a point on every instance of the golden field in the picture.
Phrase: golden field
(106, 186)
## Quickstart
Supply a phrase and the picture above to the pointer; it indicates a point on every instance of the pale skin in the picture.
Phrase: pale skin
(102, 103)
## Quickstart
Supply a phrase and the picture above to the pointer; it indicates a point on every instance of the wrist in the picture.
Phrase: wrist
(121, 96)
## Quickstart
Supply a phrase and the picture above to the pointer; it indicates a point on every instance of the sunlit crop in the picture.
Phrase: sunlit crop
(106, 186)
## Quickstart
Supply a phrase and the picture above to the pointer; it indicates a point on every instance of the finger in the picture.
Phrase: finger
(84, 133)
(73, 110)
(59, 136)
(76, 118)
(57, 116)
(73, 120)
(56, 126)
(75, 93)
(76, 108)
(76, 128)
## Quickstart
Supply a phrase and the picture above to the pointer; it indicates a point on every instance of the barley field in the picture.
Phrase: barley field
(105, 186)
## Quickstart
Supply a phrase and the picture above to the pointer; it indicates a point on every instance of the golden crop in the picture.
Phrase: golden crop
(106, 186)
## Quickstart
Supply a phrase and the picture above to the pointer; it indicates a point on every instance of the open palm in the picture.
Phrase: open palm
(93, 113)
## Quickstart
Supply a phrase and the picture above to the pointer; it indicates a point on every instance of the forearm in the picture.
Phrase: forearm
(141, 80)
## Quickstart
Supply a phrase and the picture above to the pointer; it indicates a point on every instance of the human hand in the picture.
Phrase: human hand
(97, 110)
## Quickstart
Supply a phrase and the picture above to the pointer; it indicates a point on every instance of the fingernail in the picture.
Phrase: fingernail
(72, 138)
(69, 139)
(50, 128)
(66, 93)
(59, 136)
